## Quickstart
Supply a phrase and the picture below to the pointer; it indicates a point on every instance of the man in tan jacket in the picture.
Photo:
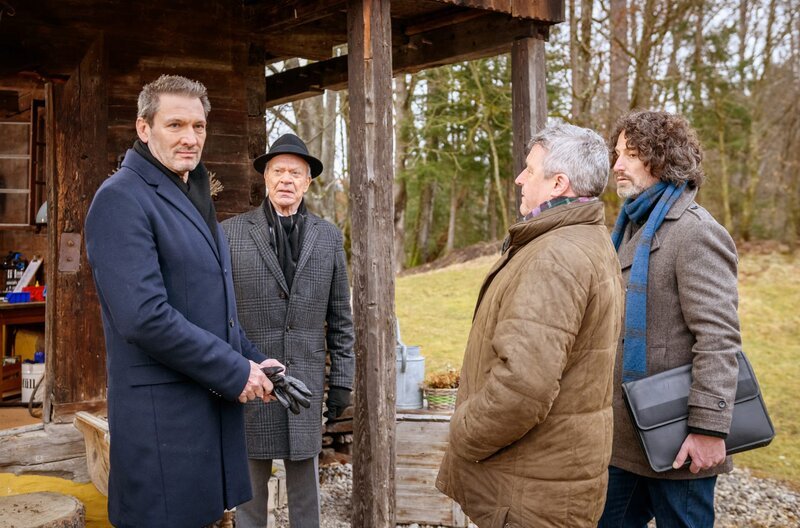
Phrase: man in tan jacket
(530, 438)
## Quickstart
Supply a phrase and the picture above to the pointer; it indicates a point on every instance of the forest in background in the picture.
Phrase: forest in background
(732, 67)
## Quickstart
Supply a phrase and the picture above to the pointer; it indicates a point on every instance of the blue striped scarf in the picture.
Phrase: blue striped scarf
(660, 198)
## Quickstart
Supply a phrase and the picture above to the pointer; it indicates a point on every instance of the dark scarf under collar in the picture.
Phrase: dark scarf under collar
(197, 187)
(286, 237)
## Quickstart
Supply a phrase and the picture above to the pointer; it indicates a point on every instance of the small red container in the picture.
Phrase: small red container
(37, 292)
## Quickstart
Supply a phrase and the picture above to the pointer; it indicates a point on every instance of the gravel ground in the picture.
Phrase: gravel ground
(742, 501)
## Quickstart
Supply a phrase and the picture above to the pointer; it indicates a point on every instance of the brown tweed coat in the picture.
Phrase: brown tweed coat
(295, 327)
(530, 438)
(692, 298)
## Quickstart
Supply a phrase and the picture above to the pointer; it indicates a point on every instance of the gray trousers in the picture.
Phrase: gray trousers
(302, 486)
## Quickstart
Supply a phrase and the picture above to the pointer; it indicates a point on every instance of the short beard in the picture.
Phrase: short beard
(631, 191)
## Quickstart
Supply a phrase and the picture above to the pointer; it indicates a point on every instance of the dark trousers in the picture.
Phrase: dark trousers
(633, 500)
(302, 485)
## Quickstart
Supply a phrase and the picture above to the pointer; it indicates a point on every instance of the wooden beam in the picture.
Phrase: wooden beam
(475, 38)
(551, 11)
(76, 373)
(283, 15)
(372, 220)
(528, 98)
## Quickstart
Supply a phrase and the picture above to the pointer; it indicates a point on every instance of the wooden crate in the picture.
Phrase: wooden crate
(420, 443)
(10, 380)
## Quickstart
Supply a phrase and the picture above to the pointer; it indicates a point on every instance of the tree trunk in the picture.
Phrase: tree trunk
(498, 185)
(451, 223)
(402, 126)
(327, 182)
(618, 102)
(425, 221)
(581, 61)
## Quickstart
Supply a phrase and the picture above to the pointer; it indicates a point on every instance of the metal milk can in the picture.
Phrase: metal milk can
(410, 374)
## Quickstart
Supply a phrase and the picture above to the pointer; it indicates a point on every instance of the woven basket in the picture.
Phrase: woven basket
(441, 399)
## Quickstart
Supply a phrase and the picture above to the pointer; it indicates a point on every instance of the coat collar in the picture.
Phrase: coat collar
(259, 231)
(521, 233)
(627, 249)
(575, 213)
(170, 193)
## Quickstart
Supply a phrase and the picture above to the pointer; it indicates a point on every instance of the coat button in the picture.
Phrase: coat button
(230, 323)
(288, 328)
(722, 404)
(282, 295)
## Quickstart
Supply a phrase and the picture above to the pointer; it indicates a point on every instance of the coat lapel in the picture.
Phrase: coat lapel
(310, 236)
(171, 194)
(259, 232)
(628, 248)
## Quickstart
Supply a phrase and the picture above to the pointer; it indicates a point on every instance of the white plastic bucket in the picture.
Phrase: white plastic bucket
(31, 374)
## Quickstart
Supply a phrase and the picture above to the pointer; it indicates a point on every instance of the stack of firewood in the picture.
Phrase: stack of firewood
(337, 435)
(337, 439)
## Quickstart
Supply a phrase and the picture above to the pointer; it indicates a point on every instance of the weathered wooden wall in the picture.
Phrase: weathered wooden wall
(73, 332)
(205, 43)
(94, 95)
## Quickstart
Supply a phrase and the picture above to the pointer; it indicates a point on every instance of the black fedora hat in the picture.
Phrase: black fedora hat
(288, 144)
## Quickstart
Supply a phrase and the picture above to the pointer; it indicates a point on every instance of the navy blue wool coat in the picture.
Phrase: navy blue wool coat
(177, 358)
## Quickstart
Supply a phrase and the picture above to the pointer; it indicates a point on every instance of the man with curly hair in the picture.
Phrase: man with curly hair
(679, 266)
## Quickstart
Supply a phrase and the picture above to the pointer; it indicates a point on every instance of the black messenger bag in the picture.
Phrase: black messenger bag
(659, 409)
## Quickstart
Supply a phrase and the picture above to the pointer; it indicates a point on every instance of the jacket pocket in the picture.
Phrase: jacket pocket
(153, 374)
(495, 519)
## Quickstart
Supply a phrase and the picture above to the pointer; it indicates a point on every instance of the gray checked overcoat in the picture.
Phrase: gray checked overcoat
(295, 327)
(692, 317)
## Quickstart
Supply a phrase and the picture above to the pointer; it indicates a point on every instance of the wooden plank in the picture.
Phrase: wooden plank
(474, 38)
(64, 413)
(372, 220)
(551, 11)
(421, 440)
(76, 359)
(282, 15)
(528, 99)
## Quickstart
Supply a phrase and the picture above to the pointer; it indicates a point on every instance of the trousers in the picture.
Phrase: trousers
(302, 486)
(633, 500)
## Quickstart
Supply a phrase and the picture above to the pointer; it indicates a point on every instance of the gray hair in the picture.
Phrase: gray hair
(580, 153)
(169, 84)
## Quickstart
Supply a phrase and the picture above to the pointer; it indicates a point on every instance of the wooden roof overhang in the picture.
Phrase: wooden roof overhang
(424, 34)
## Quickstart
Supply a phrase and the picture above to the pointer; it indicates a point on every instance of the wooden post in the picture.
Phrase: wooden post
(256, 126)
(76, 373)
(528, 96)
(372, 213)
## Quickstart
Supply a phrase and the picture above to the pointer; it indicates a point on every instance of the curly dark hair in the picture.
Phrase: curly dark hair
(667, 145)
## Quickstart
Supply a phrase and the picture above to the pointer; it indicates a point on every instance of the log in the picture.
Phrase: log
(339, 427)
(42, 510)
(52, 450)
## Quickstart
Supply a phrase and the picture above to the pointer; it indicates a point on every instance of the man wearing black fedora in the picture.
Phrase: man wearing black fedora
(293, 298)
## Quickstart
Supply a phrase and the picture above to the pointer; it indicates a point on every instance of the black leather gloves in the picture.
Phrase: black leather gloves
(338, 401)
(291, 392)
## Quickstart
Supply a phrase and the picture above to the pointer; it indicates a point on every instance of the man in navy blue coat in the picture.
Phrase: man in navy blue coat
(178, 362)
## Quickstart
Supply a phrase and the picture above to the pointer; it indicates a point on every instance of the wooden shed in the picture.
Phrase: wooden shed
(74, 68)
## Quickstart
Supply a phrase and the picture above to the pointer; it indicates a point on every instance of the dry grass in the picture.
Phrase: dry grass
(435, 311)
